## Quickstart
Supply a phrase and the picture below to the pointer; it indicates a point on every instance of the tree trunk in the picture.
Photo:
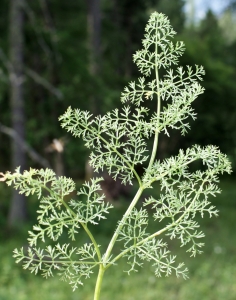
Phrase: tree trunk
(18, 211)
(94, 46)
(94, 33)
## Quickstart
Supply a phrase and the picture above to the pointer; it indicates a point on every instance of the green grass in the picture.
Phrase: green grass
(212, 274)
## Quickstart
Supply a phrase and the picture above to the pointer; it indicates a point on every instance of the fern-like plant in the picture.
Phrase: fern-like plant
(118, 141)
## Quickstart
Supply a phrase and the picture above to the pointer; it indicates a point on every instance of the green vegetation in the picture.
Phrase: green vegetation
(118, 141)
(212, 274)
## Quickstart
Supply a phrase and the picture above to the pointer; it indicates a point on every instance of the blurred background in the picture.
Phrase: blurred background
(55, 54)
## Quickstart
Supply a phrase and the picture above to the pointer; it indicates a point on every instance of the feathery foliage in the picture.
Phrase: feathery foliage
(118, 143)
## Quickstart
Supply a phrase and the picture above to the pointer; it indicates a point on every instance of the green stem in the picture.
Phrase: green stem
(93, 263)
(121, 224)
(99, 283)
(93, 241)
(86, 230)
(141, 188)
(155, 143)
(74, 214)
(161, 230)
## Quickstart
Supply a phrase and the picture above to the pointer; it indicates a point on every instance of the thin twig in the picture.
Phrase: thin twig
(32, 74)
(26, 147)
(42, 81)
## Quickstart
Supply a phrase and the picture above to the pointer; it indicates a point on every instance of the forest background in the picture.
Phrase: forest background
(55, 54)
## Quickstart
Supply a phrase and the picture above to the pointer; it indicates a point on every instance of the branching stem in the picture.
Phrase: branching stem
(86, 229)
(81, 223)
(119, 154)
(121, 224)
(64, 261)
(155, 143)
(159, 232)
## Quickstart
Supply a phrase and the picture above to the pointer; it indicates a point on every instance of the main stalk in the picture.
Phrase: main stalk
(99, 282)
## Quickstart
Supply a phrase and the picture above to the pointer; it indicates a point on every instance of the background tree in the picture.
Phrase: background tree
(57, 71)
(18, 211)
(94, 47)
(216, 121)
